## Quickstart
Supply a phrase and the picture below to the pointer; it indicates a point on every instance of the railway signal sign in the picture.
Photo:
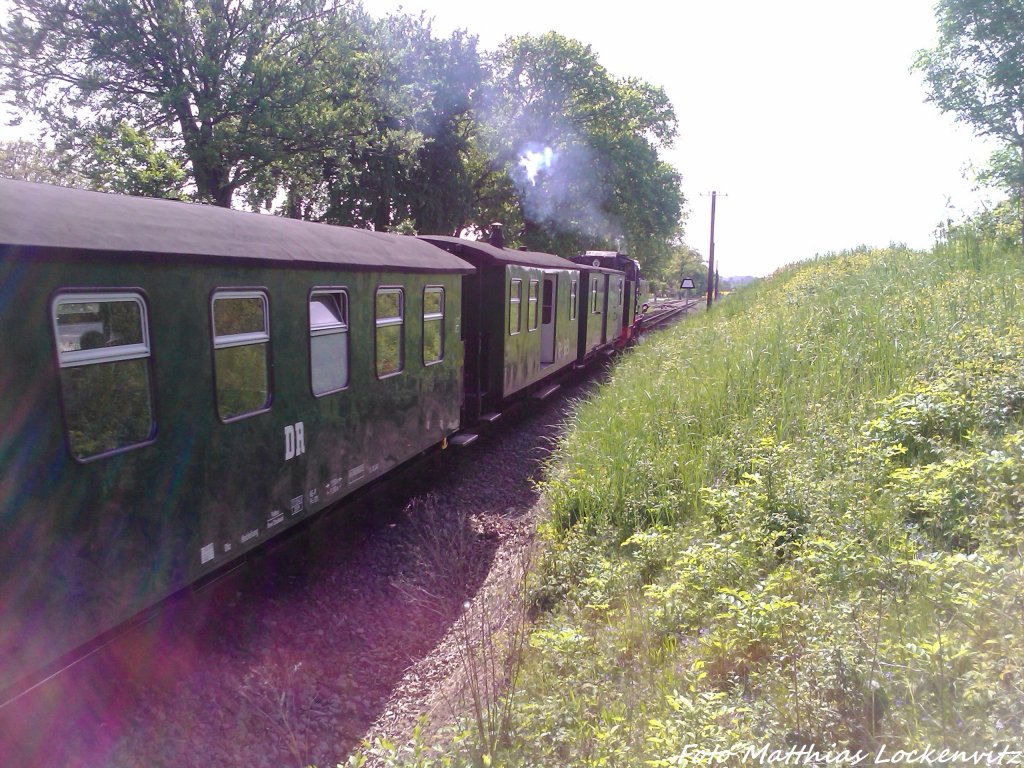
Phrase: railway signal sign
(687, 283)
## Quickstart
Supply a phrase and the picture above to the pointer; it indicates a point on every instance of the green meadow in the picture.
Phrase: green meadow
(792, 522)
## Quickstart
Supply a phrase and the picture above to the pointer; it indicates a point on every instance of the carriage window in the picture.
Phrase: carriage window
(515, 304)
(390, 326)
(103, 349)
(328, 341)
(531, 310)
(595, 304)
(574, 299)
(548, 312)
(241, 335)
(433, 325)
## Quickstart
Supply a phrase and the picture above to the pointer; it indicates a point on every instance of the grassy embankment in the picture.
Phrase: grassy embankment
(795, 520)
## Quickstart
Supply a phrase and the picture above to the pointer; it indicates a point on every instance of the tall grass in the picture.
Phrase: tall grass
(795, 520)
(840, 332)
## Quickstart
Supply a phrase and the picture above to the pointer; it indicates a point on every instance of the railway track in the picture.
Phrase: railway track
(664, 312)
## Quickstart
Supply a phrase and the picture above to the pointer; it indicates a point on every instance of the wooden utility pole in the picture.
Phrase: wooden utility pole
(711, 252)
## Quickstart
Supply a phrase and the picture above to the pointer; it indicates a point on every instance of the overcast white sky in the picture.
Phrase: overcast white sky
(803, 112)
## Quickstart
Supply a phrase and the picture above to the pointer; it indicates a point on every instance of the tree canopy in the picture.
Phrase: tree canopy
(581, 147)
(976, 73)
(236, 84)
(34, 161)
(318, 111)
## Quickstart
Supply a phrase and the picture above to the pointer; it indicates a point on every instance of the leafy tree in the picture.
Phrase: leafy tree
(124, 161)
(237, 85)
(686, 262)
(582, 148)
(407, 167)
(35, 161)
(440, 186)
(366, 181)
(976, 72)
(129, 162)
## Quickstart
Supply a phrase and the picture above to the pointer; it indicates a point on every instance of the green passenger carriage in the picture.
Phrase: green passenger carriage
(616, 293)
(521, 313)
(180, 382)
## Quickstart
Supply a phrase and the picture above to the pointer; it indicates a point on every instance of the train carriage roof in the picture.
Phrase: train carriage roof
(50, 217)
(480, 251)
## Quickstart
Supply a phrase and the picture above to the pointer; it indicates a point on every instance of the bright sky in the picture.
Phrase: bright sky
(803, 112)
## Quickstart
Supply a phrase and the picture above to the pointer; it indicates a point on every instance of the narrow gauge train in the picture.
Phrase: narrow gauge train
(180, 383)
(637, 289)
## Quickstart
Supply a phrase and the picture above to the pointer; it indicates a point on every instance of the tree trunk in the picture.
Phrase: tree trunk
(294, 203)
(224, 195)
(382, 214)
(211, 177)
(213, 185)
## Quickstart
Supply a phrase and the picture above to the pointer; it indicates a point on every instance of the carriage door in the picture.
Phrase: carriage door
(547, 324)
(604, 289)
